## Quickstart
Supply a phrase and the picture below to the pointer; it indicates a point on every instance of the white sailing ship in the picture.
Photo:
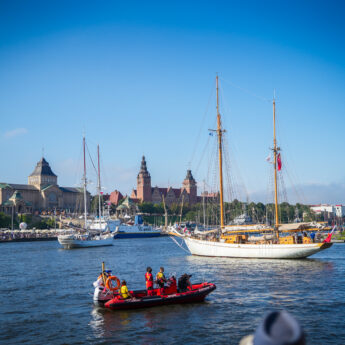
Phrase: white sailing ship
(233, 241)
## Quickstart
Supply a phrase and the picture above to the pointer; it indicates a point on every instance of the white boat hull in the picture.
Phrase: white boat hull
(258, 251)
(69, 242)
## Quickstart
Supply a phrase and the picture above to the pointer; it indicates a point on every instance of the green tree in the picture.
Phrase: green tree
(146, 207)
(5, 220)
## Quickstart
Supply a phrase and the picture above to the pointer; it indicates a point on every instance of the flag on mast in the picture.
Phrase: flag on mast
(329, 237)
(279, 162)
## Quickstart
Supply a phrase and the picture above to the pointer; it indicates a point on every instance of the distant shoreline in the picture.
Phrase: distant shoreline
(29, 239)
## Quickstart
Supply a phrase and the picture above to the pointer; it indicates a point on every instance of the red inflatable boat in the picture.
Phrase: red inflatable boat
(168, 295)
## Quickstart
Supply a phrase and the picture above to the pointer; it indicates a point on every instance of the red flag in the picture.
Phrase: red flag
(279, 162)
(329, 237)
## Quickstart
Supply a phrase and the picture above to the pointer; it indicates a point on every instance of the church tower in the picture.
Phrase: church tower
(189, 184)
(144, 192)
(43, 175)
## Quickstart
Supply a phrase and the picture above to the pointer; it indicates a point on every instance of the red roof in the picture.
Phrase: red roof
(115, 197)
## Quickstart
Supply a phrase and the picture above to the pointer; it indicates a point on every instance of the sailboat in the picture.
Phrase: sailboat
(282, 241)
(103, 222)
(84, 237)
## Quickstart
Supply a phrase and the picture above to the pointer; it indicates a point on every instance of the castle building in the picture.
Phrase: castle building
(145, 191)
(42, 193)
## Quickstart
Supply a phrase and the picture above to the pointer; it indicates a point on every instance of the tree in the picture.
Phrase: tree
(146, 207)
(5, 220)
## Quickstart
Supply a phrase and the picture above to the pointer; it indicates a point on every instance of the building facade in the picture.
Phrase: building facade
(329, 210)
(145, 192)
(42, 193)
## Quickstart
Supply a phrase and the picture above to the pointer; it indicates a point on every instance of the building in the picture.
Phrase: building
(329, 210)
(115, 197)
(42, 193)
(145, 192)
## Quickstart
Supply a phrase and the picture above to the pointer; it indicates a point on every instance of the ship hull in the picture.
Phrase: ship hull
(71, 243)
(136, 234)
(198, 293)
(258, 251)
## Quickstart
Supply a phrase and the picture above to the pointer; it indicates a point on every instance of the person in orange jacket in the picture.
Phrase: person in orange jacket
(149, 281)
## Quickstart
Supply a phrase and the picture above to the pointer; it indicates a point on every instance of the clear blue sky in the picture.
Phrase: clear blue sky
(137, 78)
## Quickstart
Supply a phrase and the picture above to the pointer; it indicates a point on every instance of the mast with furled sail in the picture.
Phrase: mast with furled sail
(275, 152)
(220, 153)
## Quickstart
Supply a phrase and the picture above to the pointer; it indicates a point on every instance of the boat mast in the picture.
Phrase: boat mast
(85, 182)
(219, 133)
(275, 151)
(203, 206)
(99, 191)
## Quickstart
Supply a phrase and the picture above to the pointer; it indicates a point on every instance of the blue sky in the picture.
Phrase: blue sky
(137, 78)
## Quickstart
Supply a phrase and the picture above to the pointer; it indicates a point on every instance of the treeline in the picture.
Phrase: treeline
(209, 213)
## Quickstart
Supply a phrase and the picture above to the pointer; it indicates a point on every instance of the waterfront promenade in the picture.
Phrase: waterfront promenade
(7, 235)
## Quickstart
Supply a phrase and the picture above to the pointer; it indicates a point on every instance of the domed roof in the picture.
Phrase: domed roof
(42, 168)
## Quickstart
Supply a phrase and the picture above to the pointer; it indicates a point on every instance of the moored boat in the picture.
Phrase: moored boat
(136, 230)
(83, 238)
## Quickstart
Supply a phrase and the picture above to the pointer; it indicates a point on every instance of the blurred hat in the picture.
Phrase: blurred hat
(107, 271)
(277, 328)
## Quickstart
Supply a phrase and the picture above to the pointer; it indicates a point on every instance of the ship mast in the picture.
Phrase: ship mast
(85, 183)
(275, 151)
(219, 134)
(99, 191)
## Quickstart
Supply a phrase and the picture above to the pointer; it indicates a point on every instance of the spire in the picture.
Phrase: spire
(143, 168)
(189, 176)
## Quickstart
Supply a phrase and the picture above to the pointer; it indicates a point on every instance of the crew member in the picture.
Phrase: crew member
(125, 294)
(160, 278)
(100, 282)
(184, 282)
(149, 281)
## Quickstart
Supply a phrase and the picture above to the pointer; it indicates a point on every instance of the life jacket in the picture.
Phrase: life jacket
(149, 280)
(124, 292)
(160, 278)
(160, 275)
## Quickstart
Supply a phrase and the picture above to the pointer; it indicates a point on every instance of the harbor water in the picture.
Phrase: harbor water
(46, 295)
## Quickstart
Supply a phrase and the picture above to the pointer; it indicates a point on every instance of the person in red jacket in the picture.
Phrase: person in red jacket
(149, 281)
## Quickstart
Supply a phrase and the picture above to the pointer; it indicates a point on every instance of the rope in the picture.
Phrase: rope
(88, 151)
(180, 245)
(246, 91)
(201, 125)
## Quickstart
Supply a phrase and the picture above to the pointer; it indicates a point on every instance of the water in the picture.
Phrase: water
(46, 295)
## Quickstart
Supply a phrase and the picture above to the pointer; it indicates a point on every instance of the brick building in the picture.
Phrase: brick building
(145, 191)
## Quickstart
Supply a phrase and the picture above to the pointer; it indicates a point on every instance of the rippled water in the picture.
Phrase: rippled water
(46, 295)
